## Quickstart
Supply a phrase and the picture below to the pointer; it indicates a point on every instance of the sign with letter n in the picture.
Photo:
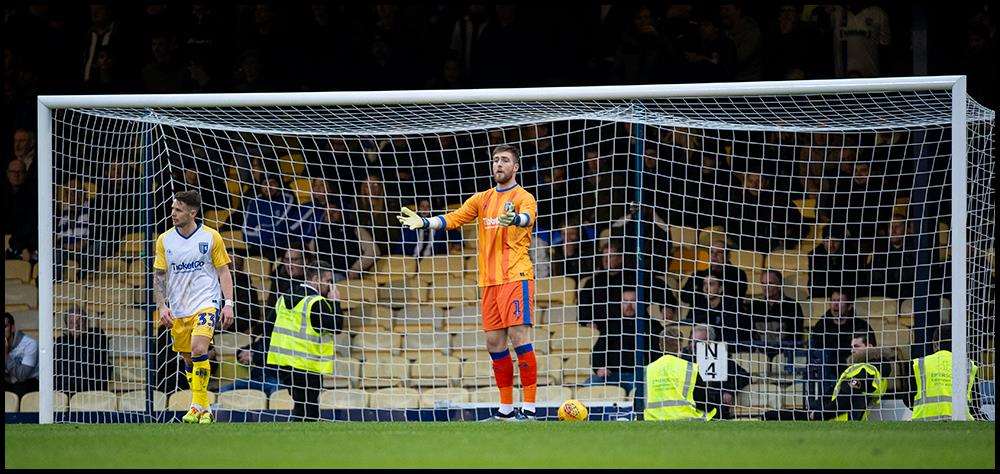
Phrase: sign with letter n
(713, 361)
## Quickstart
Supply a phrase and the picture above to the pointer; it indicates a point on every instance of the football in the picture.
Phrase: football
(572, 410)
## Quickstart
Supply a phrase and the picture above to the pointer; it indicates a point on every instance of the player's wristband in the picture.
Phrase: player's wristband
(521, 220)
(426, 223)
(227, 303)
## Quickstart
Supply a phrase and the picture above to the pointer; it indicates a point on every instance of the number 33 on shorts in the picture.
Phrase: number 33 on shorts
(208, 319)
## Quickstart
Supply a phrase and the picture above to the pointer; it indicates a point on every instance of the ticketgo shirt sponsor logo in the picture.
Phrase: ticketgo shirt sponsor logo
(186, 267)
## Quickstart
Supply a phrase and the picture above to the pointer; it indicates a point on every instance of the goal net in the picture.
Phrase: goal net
(773, 233)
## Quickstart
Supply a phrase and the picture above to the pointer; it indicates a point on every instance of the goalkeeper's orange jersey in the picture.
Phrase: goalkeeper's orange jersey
(503, 250)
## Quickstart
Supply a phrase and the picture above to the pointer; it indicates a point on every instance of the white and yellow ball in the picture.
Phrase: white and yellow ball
(573, 410)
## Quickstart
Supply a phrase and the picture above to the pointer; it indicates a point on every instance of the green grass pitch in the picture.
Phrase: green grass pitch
(496, 445)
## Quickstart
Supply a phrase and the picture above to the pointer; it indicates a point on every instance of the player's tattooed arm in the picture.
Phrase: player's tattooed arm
(160, 288)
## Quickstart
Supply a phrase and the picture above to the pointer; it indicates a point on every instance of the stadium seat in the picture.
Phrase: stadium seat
(465, 342)
(399, 293)
(365, 316)
(541, 339)
(553, 394)
(26, 319)
(602, 393)
(476, 373)
(342, 344)
(125, 344)
(872, 308)
(465, 317)
(490, 395)
(571, 337)
(216, 218)
(394, 268)
(576, 367)
(136, 401)
(443, 265)
(29, 402)
(280, 400)
(796, 286)
(291, 166)
(434, 369)
(555, 291)
(132, 245)
(683, 236)
(549, 369)
(756, 398)
(452, 290)
(302, 188)
(11, 402)
(17, 270)
(343, 398)
(814, 310)
(234, 240)
(368, 343)
(794, 396)
(755, 362)
(243, 399)
(562, 314)
(435, 397)
(228, 343)
(396, 398)
(129, 369)
(747, 260)
(905, 316)
(97, 400)
(786, 369)
(807, 207)
(788, 262)
(346, 373)
(181, 400)
(259, 269)
(384, 370)
(415, 342)
(20, 295)
(711, 234)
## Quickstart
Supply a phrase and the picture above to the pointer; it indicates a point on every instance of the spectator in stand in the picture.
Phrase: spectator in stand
(832, 266)
(24, 150)
(72, 229)
(745, 34)
(762, 220)
(860, 201)
(287, 273)
(426, 242)
(164, 72)
(20, 212)
(643, 52)
(777, 320)
(894, 264)
(699, 185)
(373, 208)
(597, 295)
(602, 190)
(267, 217)
(734, 279)
(798, 42)
(20, 370)
(247, 312)
(466, 40)
(104, 51)
(830, 338)
(710, 58)
(614, 354)
(81, 356)
(715, 308)
(573, 257)
(262, 376)
(720, 395)
(350, 248)
(861, 33)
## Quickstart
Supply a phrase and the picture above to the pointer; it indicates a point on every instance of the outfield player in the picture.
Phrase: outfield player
(506, 215)
(191, 270)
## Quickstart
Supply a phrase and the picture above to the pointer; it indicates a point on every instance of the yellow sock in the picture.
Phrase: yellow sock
(199, 383)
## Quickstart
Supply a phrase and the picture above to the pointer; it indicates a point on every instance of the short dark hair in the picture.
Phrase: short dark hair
(191, 198)
(316, 269)
(865, 338)
(846, 294)
(8, 319)
(513, 149)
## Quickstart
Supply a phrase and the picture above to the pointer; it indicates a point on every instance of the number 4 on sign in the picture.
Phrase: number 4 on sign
(713, 361)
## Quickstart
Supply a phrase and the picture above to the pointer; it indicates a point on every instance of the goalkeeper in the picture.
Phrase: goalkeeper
(506, 215)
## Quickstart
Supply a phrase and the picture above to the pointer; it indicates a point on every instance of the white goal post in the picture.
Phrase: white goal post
(704, 104)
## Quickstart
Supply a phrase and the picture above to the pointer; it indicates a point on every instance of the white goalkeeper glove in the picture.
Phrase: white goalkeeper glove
(410, 219)
(508, 217)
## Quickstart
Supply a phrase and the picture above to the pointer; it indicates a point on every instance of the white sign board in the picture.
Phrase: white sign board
(713, 361)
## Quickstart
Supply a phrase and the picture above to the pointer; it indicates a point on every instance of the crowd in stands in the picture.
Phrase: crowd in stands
(339, 207)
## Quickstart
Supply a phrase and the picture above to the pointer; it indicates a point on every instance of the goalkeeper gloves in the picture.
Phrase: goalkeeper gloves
(410, 219)
(508, 217)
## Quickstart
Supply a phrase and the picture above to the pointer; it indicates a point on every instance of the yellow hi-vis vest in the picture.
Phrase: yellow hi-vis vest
(295, 343)
(932, 401)
(670, 390)
(879, 385)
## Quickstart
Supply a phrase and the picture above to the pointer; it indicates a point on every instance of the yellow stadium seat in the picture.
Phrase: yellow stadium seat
(553, 394)
(395, 398)
(470, 341)
(490, 395)
(757, 398)
(302, 188)
(215, 218)
(181, 400)
(130, 369)
(234, 240)
(794, 397)
(549, 368)
(747, 260)
(343, 398)
(17, 270)
(686, 236)
(601, 393)
(11, 402)
(869, 308)
(807, 207)
(291, 166)
(434, 369)
(136, 401)
(576, 367)
(367, 343)
(476, 373)
(243, 399)
(394, 268)
(755, 362)
(443, 396)
(571, 337)
(443, 264)
(29, 402)
(97, 400)
(133, 245)
(368, 315)
(280, 400)
(452, 290)
(555, 291)
(20, 294)
(383, 370)
(788, 262)
(354, 293)
(346, 373)
(417, 340)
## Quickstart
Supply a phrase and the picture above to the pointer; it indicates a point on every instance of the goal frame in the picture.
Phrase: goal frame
(956, 84)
